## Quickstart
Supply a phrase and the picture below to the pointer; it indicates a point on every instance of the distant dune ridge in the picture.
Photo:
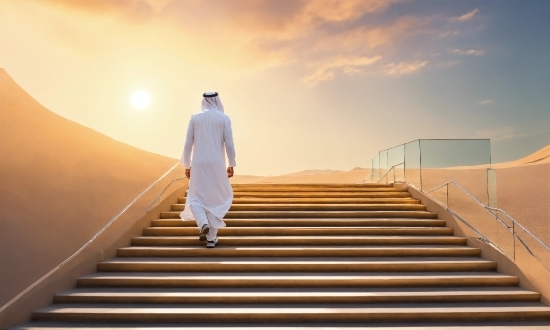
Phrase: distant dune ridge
(308, 176)
(57, 179)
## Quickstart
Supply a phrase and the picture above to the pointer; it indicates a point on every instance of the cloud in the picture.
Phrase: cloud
(483, 102)
(498, 134)
(475, 52)
(351, 66)
(137, 10)
(321, 39)
(506, 133)
(402, 68)
(466, 17)
(449, 33)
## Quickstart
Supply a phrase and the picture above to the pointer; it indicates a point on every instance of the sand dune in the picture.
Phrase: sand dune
(541, 156)
(59, 179)
(308, 176)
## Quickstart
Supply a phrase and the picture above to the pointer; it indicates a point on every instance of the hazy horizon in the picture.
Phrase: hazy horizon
(308, 84)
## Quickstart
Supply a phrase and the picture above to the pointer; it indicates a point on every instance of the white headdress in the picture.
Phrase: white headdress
(210, 100)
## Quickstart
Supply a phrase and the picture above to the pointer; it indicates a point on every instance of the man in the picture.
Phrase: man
(210, 194)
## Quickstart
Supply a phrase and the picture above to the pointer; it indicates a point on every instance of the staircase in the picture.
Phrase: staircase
(298, 254)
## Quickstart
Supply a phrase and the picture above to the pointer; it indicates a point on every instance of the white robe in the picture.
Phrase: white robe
(207, 135)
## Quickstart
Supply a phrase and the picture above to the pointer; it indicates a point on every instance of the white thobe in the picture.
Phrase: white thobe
(208, 134)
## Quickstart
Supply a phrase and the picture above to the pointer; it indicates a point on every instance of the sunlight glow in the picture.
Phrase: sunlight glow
(141, 99)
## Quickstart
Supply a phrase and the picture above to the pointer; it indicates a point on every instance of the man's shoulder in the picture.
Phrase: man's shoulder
(210, 114)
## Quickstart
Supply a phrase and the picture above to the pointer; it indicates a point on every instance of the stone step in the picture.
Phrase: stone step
(274, 188)
(274, 280)
(228, 265)
(346, 222)
(316, 214)
(301, 251)
(313, 194)
(400, 325)
(297, 296)
(289, 313)
(300, 240)
(312, 185)
(318, 200)
(318, 207)
(295, 231)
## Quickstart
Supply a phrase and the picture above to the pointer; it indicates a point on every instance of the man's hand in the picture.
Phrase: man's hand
(230, 172)
(188, 173)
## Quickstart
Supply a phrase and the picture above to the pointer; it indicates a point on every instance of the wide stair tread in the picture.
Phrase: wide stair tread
(296, 295)
(318, 214)
(304, 222)
(293, 265)
(299, 251)
(298, 240)
(296, 279)
(286, 313)
(319, 200)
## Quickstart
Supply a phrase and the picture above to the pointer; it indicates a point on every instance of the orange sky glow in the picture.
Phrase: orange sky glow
(305, 82)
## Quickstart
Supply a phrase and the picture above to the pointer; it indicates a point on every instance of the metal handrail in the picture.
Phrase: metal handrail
(388, 171)
(40, 280)
(494, 215)
(487, 208)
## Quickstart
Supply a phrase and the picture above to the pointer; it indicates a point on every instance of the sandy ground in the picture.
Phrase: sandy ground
(60, 182)
(308, 176)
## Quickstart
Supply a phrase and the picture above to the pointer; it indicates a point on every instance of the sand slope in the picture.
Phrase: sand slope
(308, 176)
(60, 183)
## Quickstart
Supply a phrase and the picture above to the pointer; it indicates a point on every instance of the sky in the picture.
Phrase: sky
(308, 84)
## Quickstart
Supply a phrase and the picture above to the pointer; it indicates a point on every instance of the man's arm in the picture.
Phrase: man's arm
(229, 147)
(188, 148)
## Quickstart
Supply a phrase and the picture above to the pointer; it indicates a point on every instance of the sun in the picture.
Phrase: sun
(141, 99)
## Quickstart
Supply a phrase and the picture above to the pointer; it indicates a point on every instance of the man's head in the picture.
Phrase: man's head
(210, 100)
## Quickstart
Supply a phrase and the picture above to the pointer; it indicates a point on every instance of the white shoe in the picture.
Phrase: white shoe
(211, 244)
(204, 230)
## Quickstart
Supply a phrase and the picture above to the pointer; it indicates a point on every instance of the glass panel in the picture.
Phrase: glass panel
(383, 164)
(492, 187)
(468, 209)
(505, 237)
(396, 157)
(464, 161)
(399, 172)
(534, 248)
(440, 194)
(524, 193)
(375, 173)
(412, 163)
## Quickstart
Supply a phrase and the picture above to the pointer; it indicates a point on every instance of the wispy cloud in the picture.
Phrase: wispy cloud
(449, 33)
(466, 17)
(474, 52)
(506, 133)
(351, 66)
(402, 68)
(322, 39)
(498, 134)
(484, 102)
(136, 10)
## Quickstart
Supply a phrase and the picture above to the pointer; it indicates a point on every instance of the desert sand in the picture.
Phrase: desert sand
(60, 183)
(308, 176)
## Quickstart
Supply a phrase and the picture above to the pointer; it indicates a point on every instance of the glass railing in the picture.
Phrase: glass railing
(504, 205)
(146, 200)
